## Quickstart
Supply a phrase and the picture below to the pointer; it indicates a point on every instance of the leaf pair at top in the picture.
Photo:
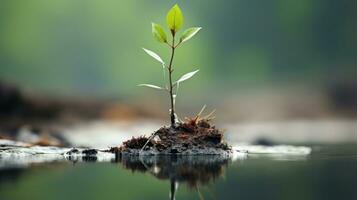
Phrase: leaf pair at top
(174, 20)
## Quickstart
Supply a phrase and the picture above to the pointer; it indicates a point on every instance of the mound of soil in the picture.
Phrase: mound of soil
(190, 137)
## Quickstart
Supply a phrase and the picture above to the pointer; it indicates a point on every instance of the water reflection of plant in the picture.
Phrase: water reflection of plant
(194, 171)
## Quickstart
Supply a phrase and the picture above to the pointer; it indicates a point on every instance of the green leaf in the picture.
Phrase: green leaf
(155, 56)
(186, 76)
(158, 33)
(189, 33)
(151, 86)
(174, 19)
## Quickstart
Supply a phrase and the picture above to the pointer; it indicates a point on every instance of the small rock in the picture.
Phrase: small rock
(89, 152)
(73, 151)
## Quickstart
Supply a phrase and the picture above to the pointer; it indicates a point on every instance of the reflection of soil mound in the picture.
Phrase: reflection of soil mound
(190, 137)
(192, 170)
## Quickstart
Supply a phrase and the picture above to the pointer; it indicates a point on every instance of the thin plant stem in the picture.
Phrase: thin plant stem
(172, 111)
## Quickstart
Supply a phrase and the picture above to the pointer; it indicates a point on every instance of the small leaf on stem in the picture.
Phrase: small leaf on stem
(158, 33)
(151, 86)
(155, 56)
(189, 33)
(174, 19)
(186, 76)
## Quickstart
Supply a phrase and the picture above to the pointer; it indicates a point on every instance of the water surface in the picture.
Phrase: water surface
(329, 172)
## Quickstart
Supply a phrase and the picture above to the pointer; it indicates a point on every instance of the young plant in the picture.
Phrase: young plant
(174, 19)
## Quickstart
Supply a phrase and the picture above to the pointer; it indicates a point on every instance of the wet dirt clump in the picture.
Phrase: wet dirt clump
(194, 136)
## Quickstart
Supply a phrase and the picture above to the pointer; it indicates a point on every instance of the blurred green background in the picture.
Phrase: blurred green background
(93, 48)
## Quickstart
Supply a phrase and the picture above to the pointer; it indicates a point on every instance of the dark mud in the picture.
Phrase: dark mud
(193, 136)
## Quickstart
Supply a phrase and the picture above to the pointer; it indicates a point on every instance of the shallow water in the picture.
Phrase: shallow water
(329, 172)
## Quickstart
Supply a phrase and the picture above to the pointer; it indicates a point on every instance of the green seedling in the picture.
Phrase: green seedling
(174, 20)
